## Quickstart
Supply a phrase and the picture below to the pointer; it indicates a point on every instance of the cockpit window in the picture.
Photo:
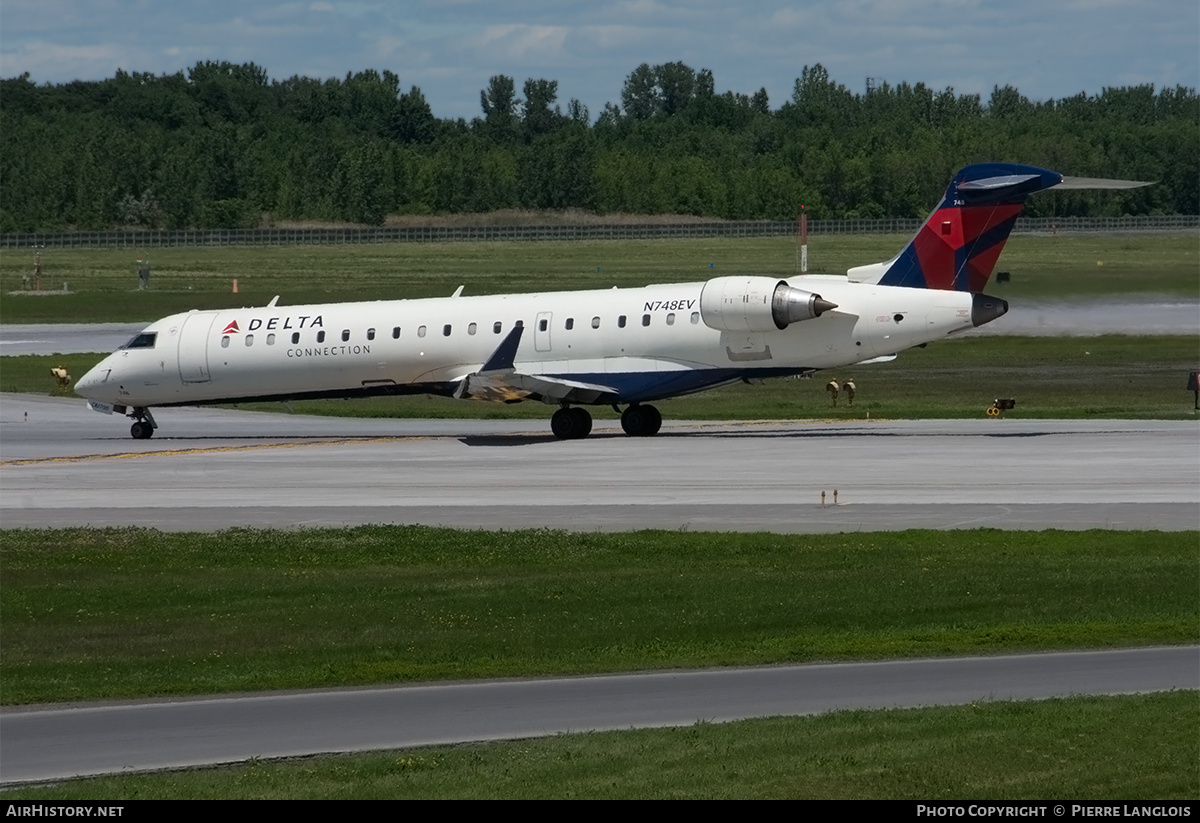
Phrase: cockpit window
(145, 340)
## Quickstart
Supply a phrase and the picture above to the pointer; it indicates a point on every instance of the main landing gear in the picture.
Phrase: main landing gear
(143, 426)
(574, 423)
(641, 421)
(571, 423)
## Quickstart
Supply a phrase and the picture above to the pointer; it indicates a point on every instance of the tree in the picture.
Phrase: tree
(640, 95)
(499, 102)
(537, 116)
(412, 119)
(676, 84)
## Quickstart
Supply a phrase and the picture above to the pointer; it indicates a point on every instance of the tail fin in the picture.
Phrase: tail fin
(958, 246)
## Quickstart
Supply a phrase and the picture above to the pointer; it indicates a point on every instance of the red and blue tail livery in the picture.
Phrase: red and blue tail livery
(959, 244)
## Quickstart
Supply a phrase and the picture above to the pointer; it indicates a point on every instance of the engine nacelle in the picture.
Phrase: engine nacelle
(757, 304)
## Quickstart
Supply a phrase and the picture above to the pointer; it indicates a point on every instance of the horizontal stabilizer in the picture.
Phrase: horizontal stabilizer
(1001, 182)
(1099, 183)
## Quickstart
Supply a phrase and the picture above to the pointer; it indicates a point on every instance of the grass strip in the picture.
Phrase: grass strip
(103, 283)
(124, 613)
(1094, 377)
(1094, 748)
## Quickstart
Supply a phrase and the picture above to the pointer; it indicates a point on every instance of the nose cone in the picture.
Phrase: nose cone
(91, 385)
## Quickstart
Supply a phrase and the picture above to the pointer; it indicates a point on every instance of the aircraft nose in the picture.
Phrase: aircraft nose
(90, 384)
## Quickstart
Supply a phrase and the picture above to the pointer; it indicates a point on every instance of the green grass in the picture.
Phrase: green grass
(91, 614)
(1093, 377)
(1085, 748)
(103, 281)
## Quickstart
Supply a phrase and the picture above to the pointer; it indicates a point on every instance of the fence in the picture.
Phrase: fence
(613, 231)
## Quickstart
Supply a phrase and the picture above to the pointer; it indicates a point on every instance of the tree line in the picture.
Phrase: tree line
(222, 145)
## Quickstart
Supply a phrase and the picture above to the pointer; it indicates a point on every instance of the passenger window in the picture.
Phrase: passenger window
(345, 335)
(395, 332)
(496, 327)
(520, 324)
(446, 330)
(595, 322)
(225, 342)
(671, 319)
(420, 331)
(570, 324)
(370, 334)
(321, 336)
(621, 322)
(471, 328)
(271, 339)
(249, 340)
(295, 337)
(695, 317)
(543, 324)
(645, 320)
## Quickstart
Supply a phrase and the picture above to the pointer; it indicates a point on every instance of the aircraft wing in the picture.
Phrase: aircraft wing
(512, 385)
(498, 380)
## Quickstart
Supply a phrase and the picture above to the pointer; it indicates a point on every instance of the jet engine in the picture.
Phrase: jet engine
(757, 304)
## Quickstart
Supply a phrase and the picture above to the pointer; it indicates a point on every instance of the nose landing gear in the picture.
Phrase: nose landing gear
(144, 425)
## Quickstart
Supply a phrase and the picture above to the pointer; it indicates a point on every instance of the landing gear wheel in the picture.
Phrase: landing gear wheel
(584, 420)
(641, 421)
(571, 424)
(143, 426)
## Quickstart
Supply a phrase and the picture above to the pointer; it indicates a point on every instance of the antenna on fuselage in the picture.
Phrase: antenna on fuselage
(274, 300)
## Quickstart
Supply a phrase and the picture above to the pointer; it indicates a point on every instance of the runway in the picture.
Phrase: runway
(235, 469)
(206, 469)
(47, 744)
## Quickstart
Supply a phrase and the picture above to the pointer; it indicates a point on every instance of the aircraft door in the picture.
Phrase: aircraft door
(193, 347)
(541, 331)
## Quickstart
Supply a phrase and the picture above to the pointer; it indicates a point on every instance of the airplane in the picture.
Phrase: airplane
(615, 347)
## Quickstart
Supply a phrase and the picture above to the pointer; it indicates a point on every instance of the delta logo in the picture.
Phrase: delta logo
(302, 321)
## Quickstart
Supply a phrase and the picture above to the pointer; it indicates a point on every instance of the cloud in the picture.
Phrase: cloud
(41, 58)
(523, 43)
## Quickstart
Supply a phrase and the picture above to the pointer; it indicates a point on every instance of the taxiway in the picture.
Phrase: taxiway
(52, 743)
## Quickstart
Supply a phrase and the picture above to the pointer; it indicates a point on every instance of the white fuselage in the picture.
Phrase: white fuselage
(646, 343)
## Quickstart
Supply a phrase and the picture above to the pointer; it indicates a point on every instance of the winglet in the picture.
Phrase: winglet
(502, 358)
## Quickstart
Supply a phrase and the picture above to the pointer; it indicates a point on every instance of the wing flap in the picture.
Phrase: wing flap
(499, 381)
(508, 385)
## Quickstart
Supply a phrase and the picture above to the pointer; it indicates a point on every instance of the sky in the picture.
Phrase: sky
(450, 48)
